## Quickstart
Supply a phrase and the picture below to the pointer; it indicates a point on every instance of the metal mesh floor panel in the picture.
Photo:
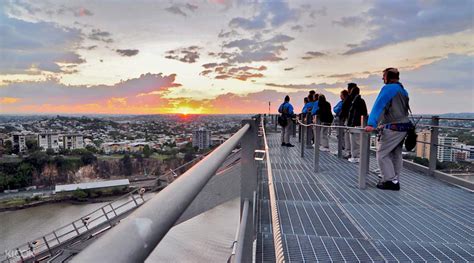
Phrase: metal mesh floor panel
(325, 217)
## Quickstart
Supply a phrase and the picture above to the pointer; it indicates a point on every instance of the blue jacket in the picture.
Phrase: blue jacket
(286, 107)
(306, 107)
(315, 108)
(391, 106)
(338, 108)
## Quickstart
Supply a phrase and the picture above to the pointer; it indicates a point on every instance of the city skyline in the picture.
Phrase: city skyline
(208, 57)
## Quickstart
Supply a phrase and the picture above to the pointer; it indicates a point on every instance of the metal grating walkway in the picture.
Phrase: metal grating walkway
(325, 217)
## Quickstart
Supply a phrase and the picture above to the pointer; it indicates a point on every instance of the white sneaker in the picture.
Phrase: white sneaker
(323, 149)
(354, 160)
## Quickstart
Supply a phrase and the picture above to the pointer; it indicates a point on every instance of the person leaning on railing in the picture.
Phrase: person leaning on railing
(286, 110)
(324, 117)
(390, 115)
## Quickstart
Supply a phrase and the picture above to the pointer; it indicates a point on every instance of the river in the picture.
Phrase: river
(204, 238)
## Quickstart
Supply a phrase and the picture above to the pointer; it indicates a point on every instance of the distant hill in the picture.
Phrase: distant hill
(469, 115)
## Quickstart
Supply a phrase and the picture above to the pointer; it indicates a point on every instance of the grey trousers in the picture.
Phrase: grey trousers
(347, 142)
(286, 131)
(355, 144)
(325, 137)
(389, 154)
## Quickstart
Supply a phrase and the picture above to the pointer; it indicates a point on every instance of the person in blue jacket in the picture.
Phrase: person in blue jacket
(390, 115)
(286, 110)
(337, 110)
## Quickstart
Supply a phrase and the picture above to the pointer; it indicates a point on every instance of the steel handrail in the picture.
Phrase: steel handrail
(276, 229)
(136, 237)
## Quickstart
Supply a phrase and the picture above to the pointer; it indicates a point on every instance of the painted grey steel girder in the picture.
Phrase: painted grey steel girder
(248, 182)
(241, 255)
(137, 236)
(433, 142)
(364, 159)
(364, 155)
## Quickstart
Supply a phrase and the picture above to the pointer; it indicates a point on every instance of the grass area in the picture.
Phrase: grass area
(72, 157)
(110, 157)
(9, 159)
(160, 157)
(13, 202)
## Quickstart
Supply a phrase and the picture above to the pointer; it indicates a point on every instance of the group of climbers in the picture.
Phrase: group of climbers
(389, 117)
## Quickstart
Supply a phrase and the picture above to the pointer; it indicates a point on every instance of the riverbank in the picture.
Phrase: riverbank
(78, 197)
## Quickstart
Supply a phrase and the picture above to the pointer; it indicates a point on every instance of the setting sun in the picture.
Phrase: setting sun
(185, 111)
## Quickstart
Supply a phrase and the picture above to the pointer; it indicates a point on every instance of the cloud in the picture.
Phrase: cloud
(255, 50)
(350, 21)
(127, 52)
(297, 28)
(186, 55)
(392, 22)
(313, 54)
(82, 12)
(274, 13)
(100, 35)
(8, 100)
(227, 71)
(146, 90)
(177, 9)
(28, 47)
(224, 34)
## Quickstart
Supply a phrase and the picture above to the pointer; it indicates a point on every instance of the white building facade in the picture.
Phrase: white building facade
(202, 139)
(73, 141)
(48, 141)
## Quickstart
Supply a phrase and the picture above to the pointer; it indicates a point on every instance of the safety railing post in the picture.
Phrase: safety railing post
(294, 128)
(317, 139)
(47, 245)
(300, 117)
(248, 183)
(340, 139)
(309, 131)
(364, 154)
(276, 123)
(433, 144)
(303, 137)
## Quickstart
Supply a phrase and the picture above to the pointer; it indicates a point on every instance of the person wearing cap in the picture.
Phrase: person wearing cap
(390, 115)
(286, 110)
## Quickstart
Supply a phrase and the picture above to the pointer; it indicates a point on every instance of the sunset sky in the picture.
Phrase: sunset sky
(219, 56)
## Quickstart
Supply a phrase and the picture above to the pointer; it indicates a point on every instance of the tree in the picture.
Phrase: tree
(32, 146)
(91, 149)
(49, 151)
(127, 164)
(147, 152)
(24, 175)
(8, 147)
(88, 158)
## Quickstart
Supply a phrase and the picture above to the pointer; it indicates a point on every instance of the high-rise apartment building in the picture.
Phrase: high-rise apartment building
(423, 149)
(445, 154)
(202, 139)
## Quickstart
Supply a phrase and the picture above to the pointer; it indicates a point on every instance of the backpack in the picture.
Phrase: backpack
(282, 120)
(411, 137)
